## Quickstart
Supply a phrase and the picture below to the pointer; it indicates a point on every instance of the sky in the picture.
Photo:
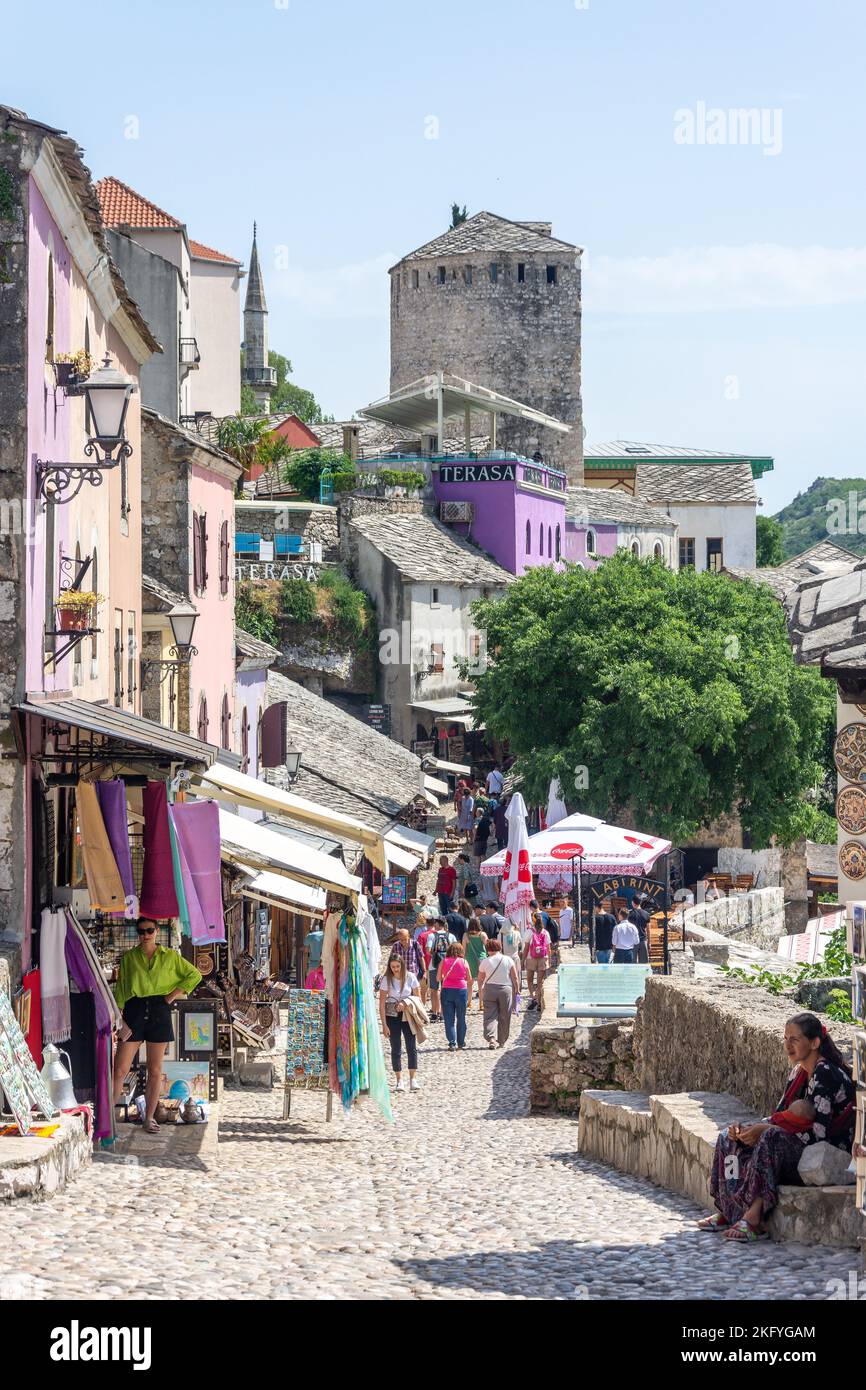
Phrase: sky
(725, 261)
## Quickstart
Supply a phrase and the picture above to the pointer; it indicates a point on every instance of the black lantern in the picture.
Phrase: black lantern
(107, 393)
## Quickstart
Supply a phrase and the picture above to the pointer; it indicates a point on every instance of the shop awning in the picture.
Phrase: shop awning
(433, 784)
(245, 842)
(280, 891)
(126, 737)
(440, 765)
(236, 788)
(414, 840)
(428, 402)
(401, 859)
(453, 710)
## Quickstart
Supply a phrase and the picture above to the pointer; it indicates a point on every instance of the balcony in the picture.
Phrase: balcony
(188, 354)
(259, 376)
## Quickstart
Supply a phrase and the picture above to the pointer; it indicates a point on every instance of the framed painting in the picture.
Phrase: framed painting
(196, 1029)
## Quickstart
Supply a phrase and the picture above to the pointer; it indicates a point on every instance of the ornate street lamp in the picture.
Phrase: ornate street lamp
(182, 618)
(107, 393)
(293, 764)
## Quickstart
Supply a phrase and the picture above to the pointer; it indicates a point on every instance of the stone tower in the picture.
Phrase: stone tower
(497, 302)
(257, 374)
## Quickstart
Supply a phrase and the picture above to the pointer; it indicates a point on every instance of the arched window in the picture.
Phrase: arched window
(202, 717)
(635, 549)
(528, 539)
(549, 543)
(245, 740)
(590, 542)
(225, 724)
(558, 544)
(658, 553)
(49, 318)
(541, 541)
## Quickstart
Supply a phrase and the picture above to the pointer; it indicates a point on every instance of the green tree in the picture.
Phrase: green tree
(674, 694)
(769, 542)
(287, 398)
(305, 466)
(458, 214)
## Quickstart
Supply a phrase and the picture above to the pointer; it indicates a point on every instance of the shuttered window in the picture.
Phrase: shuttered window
(225, 724)
(199, 552)
(245, 740)
(273, 735)
(224, 558)
(202, 719)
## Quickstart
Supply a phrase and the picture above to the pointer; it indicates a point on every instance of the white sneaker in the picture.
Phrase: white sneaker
(414, 1085)
(401, 1085)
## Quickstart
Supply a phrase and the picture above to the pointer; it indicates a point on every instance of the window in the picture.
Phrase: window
(475, 645)
(225, 724)
(415, 283)
(437, 657)
(558, 544)
(521, 272)
(635, 549)
(551, 275)
(714, 553)
(224, 558)
(94, 585)
(528, 539)
(199, 552)
(658, 552)
(549, 543)
(590, 542)
(118, 657)
(541, 541)
(441, 275)
(202, 717)
(494, 273)
(131, 683)
(434, 598)
(49, 318)
(245, 740)
(687, 551)
(467, 275)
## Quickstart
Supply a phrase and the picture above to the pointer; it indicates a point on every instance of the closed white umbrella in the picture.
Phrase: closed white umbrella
(517, 892)
(556, 807)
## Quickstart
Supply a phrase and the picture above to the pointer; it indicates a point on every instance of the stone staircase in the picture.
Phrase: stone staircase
(670, 1140)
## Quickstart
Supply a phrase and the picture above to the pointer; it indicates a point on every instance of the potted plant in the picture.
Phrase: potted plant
(72, 367)
(76, 609)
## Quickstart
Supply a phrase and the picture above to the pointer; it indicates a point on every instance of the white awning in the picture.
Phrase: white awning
(434, 785)
(400, 859)
(453, 710)
(413, 840)
(245, 842)
(280, 891)
(460, 769)
(238, 789)
(427, 402)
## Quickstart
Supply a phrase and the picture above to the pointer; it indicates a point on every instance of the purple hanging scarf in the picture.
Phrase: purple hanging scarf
(197, 837)
(158, 898)
(112, 803)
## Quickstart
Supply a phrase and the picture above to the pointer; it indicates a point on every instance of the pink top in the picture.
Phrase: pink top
(455, 973)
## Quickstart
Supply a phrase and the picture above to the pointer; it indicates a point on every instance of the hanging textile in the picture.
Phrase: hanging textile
(90, 980)
(182, 904)
(31, 981)
(54, 978)
(112, 802)
(100, 868)
(158, 896)
(356, 1058)
(196, 829)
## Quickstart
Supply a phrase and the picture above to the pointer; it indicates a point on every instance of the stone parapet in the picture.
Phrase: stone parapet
(757, 917)
(38, 1168)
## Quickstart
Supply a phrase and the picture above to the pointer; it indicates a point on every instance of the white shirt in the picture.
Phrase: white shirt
(496, 969)
(625, 936)
(566, 922)
(394, 990)
(509, 938)
(494, 782)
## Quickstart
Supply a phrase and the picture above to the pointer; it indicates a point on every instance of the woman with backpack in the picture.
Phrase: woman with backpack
(455, 983)
(498, 984)
(475, 948)
(435, 944)
(536, 959)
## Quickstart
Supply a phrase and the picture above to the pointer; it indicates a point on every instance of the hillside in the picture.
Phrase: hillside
(809, 518)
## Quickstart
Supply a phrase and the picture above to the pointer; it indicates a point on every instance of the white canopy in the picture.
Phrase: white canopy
(280, 891)
(600, 848)
(245, 842)
(400, 859)
(413, 840)
(228, 785)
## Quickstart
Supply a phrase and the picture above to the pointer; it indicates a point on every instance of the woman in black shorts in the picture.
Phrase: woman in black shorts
(150, 978)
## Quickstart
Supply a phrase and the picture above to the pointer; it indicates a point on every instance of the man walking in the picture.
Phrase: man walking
(436, 944)
(492, 922)
(640, 917)
(495, 782)
(445, 881)
(625, 939)
(604, 923)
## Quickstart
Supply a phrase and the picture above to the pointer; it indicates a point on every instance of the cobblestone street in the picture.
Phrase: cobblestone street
(465, 1194)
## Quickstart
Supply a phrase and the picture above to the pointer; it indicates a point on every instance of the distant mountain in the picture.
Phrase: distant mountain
(830, 509)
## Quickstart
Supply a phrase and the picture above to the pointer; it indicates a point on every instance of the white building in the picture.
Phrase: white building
(714, 506)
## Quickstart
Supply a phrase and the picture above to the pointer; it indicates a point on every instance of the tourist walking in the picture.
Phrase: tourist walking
(500, 824)
(395, 986)
(457, 920)
(445, 882)
(475, 947)
(492, 921)
(624, 939)
(436, 944)
(403, 945)
(466, 815)
(455, 982)
(495, 782)
(482, 835)
(640, 916)
(510, 941)
(603, 925)
(536, 959)
(468, 878)
(566, 924)
(498, 985)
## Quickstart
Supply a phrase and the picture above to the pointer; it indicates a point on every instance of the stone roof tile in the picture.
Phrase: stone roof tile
(708, 482)
(426, 552)
(487, 232)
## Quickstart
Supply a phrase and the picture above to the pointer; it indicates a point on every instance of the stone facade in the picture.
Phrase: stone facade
(519, 336)
(568, 1058)
(313, 524)
(757, 917)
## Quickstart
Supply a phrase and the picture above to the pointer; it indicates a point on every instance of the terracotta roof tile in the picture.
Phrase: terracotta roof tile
(207, 253)
(123, 207)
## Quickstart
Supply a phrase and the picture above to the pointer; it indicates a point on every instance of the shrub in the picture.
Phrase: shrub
(298, 600)
(256, 611)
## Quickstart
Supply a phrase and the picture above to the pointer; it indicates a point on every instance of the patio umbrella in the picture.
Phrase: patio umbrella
(556, 807)
(516, 890)
(601, 849)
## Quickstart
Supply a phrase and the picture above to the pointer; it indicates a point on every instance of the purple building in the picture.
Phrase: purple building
(508, 506)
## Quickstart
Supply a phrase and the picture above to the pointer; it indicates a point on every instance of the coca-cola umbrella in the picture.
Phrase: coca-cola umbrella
(598, 847)
(516, 890)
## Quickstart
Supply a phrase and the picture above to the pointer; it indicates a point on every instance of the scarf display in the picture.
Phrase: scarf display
(112, 803)
(34, 1032)
(54, 978)
(196, 829)
(158, 896)
(100, 867)
(84, 970)
(356, 1060)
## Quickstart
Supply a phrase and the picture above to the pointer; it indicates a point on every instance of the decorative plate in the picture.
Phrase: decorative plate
(852, 860)
(204, 961)
(851, 810)
(849, 752)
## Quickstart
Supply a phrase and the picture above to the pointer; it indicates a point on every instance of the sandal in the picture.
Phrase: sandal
(717, 1222)
(151, 1127)
(745, 1233)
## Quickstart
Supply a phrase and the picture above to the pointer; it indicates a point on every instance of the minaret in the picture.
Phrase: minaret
(257, 374)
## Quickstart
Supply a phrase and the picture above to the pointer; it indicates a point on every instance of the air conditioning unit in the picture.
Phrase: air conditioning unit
(449, 512)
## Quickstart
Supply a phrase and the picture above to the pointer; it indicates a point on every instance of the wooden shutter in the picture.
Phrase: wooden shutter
(224, 558)
(196, 552)
(245, 741)
(203, 537)
(274, 735)
(225, 724)
(202, 719)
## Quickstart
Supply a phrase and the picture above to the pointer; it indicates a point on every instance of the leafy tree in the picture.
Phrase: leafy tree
(286, 398)
(305, 466)
(674, 694)
(769, 542)
(241, 437)
(458, 214)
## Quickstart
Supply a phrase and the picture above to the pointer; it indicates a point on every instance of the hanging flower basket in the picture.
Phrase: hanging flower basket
(76, 610)
(72, 368)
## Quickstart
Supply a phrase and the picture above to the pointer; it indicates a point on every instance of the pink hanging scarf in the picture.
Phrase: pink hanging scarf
(158, 898)
(197, 837)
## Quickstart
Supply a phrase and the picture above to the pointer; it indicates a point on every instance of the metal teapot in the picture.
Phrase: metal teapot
(56, 1077)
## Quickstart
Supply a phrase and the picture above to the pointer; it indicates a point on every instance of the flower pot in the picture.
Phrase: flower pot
(73, 619)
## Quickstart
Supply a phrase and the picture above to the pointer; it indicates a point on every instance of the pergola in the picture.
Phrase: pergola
(427, 403)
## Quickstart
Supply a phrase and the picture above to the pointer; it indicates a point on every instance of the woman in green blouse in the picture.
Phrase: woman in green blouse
(149, 980)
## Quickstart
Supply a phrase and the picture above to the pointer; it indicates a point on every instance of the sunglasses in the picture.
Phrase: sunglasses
(146, 931)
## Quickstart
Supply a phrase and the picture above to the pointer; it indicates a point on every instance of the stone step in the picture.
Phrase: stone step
(39, 1168)
(671, 1140)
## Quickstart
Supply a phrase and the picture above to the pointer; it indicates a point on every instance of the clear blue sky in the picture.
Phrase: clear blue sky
(724, 288)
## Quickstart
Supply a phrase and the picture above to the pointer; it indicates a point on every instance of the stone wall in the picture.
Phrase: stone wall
(757, 917)
(720, 1036)
(568, 1058)
(312, 525)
